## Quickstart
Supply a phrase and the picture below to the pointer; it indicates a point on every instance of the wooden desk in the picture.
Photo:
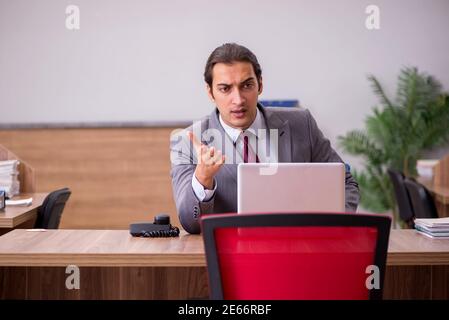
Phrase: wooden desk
(21, 216)
(114, 265)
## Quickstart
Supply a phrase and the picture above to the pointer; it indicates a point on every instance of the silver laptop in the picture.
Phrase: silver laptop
(290, 187)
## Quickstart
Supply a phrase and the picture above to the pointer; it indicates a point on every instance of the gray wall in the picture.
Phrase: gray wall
(143, 60)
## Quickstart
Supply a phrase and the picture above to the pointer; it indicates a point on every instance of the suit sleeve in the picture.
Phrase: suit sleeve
(183, 167)
(322, 151)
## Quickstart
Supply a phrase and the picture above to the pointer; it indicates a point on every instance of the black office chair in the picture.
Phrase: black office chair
(49, 214)
(422, 201)
(402, 197)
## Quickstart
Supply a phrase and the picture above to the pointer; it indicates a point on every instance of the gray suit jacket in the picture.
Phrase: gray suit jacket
(299, 140)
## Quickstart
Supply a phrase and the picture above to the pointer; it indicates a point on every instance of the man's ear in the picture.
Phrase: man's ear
(210, 93)
(260, 85)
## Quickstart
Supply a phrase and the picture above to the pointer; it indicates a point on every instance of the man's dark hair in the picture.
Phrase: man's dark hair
(229, 53)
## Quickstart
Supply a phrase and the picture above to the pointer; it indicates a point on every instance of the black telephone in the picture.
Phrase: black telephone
(161, 227)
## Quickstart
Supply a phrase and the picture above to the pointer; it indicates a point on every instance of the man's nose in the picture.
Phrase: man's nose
(237, 97)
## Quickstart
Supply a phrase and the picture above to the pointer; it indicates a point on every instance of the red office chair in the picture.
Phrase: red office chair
(295, 255)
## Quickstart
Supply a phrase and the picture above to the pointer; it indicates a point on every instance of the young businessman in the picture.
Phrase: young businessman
(205, 156)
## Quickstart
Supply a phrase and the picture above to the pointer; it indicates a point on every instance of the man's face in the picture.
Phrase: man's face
(235, 91)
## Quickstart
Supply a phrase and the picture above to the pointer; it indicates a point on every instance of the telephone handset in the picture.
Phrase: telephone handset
(161, 227)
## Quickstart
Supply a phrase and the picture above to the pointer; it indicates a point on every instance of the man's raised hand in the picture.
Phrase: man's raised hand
(210, 161)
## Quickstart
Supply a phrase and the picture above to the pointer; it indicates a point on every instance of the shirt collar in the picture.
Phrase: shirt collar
(234, 133)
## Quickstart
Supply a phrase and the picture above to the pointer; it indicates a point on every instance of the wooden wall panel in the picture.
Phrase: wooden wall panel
(117, 175)
(441, 172)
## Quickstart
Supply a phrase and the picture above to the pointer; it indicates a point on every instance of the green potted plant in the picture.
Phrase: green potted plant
(396, 134)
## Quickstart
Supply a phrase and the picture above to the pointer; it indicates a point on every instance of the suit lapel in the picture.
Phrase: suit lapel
(273, 121)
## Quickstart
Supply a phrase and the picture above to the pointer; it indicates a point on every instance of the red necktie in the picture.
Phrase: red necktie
(248, 154)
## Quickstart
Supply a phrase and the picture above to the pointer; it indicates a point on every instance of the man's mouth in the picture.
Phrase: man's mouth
(238, 113)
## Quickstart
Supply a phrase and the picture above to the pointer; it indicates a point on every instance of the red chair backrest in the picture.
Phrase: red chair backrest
(317, 258)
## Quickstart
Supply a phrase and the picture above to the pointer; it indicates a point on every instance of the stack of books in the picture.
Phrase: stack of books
(433, 228)
(9, 177)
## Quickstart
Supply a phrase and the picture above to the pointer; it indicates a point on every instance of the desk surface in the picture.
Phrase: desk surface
(118, 248)
(13, 216)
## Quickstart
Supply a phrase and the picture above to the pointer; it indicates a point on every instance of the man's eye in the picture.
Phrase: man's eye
(248, 85)
(224, 89)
